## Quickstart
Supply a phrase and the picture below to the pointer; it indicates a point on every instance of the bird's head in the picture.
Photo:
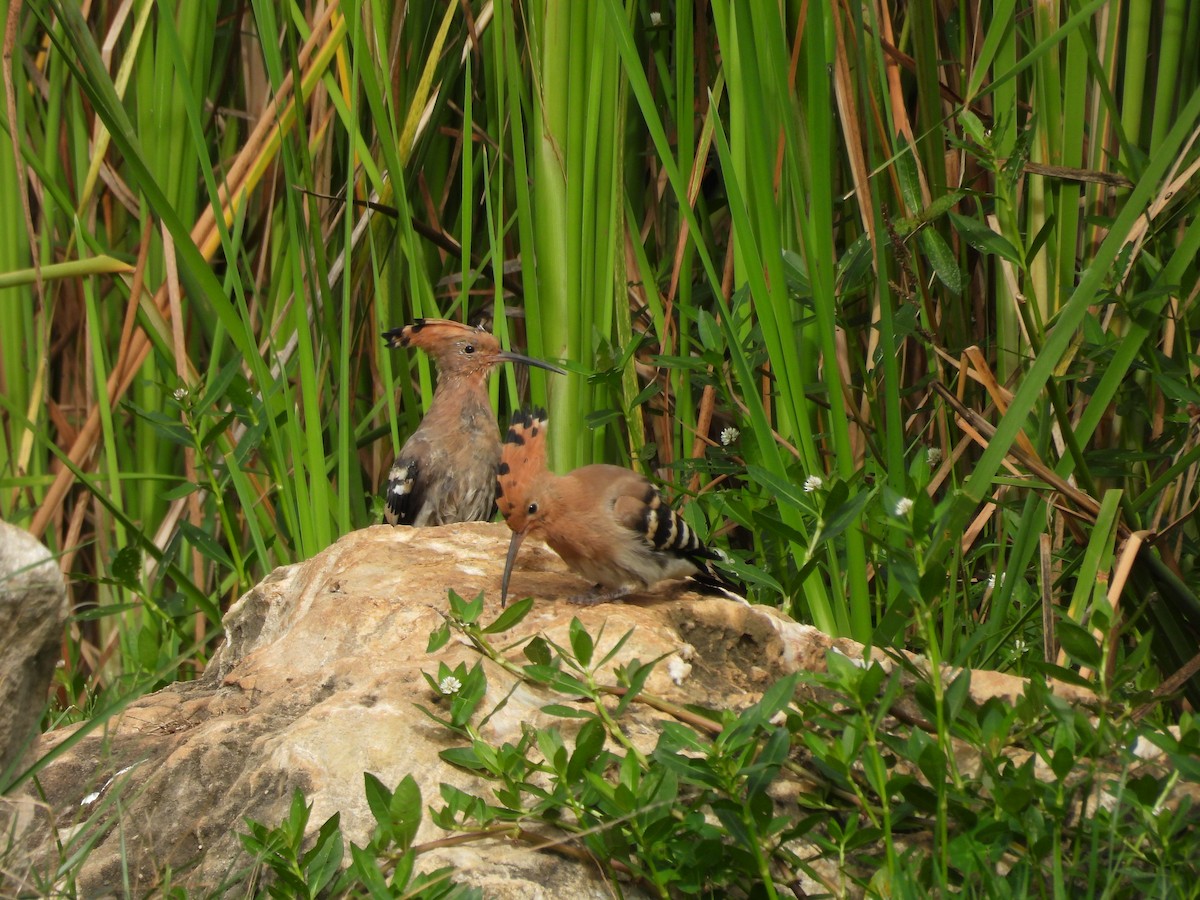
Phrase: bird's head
(522, 479)
(459, 349)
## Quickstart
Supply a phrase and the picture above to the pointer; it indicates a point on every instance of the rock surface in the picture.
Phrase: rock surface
(33, 608)
(317, 683)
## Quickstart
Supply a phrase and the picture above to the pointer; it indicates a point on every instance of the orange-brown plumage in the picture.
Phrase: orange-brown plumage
(446, 471)
(608, 523)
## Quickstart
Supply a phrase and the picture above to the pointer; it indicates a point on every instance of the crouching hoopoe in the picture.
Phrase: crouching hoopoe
(446, 470)
(609, 524)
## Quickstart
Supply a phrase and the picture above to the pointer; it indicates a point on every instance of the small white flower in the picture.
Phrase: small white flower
(655, 18)
(933, 456)
(450, 685)
(729, 435)
(812, 483)
(180, 394)
(1019, 646)
(992, 581)
(903, 506)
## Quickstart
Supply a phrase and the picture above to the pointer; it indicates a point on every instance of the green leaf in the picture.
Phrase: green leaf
(854, 266)
(127, 567)
(205, 544)
(956, 695)
(581, 642)
(1062, 762)
(537, 651)
(180, 490)
(550, 743)
(779, 487)
(676, 737)
(438, 638)
(909, 180)
(932, 763)
(939, 206)
(841, 510)
(569, 684)
(973, 127)
(730, 815)
(542, 674)
(165, 427)
(1079, 643)
(983, 239)
(588, 744)
(616, 647)
(633, 677)
(567, 712)
(379, 800)
(406, 811)
(404, 870)
(293, 826)
(365, 869)
(942, 258)
(467, 699)
(777, 696)
(463, 757)
(510, 616)
(710, 334)
(773, 754)
(324, 860)
(468, 612)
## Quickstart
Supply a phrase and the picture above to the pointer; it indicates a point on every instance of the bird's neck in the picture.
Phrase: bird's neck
(461, 384)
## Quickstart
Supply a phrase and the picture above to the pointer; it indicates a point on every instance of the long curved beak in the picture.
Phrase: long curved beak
(508, 356)
(513, 546)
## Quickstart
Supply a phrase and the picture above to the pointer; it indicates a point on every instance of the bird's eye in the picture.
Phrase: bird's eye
(469, 348)
(533, 507)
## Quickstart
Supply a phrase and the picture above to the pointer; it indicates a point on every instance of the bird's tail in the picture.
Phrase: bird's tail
(712, 581)
(668, 531)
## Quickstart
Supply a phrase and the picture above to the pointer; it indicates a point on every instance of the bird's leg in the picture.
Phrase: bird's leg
(598, 595)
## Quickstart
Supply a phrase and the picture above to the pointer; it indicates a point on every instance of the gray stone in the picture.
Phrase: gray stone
(33, 608)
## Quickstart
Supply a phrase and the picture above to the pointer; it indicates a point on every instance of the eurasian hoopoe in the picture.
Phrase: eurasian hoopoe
(446, 471)
(609, 524)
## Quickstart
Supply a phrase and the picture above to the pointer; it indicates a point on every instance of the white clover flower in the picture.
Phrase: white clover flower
(450, 685)
(812, 483)
(933, 456)
(728, 435)
(904, 506)
(180, 394)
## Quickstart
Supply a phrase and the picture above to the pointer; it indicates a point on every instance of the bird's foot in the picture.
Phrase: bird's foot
(599, 595)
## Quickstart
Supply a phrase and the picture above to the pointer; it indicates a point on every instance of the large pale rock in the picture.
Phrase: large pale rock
(317, 682)
(33, 608)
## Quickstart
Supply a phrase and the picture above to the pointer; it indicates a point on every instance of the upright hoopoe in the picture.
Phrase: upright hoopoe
(446, 471)
(609, 524)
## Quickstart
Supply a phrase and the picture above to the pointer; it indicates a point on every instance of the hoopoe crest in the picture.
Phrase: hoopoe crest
(609, 524)
(446, 471)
